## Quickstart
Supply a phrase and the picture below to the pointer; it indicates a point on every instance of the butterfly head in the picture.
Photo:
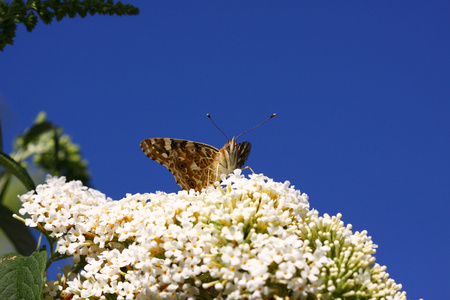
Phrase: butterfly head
(233, 155)
(236, 153)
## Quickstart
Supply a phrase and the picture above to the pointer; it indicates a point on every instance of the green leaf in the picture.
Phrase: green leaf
(1, 137)
(17, 170)
(22, 277)
(30, 21)
(19, 234)
(17, 11)
(35, 131)
(5, 178)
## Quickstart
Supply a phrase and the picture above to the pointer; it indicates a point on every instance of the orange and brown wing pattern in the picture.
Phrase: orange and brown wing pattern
(191, 163)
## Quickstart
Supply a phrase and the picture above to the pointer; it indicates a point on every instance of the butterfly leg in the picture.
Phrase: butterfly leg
(247, 167)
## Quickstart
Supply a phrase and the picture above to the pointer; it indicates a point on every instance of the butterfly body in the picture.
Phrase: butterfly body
(196, 165)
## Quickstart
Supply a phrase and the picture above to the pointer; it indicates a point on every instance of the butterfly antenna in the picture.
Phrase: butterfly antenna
(217, 126)
(273, 115)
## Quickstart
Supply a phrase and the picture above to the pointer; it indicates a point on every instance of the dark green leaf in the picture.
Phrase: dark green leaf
(17, 232)
(5, 178)
(22, 277)
(17, 11)
(1, 137)
(17, 170)
(30, 21)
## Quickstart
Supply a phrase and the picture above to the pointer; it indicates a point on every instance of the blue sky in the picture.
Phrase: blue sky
(361, 91)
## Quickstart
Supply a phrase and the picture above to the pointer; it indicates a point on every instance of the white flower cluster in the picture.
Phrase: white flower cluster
(247, 239)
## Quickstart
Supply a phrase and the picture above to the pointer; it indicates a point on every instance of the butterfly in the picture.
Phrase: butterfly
(197, 165)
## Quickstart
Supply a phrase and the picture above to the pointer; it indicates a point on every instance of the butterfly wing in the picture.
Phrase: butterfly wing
(243, 151)
(189, 162)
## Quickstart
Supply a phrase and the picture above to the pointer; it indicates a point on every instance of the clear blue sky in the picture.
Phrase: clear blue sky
(361, 90)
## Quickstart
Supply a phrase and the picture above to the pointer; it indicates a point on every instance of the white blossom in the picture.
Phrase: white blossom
(249, 238)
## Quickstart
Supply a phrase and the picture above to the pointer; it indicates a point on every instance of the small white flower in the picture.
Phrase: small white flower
(233, 233)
